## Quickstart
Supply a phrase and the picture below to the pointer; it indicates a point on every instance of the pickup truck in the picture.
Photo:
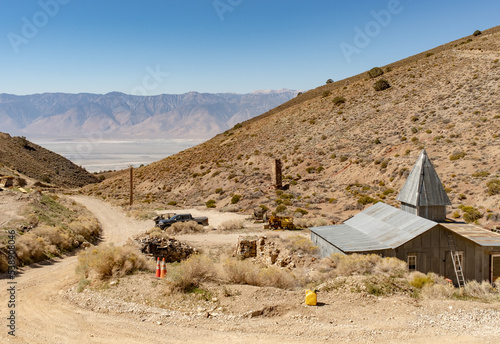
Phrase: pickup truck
(164, 223)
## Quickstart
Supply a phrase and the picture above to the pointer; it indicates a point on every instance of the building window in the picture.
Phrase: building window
(412, 262)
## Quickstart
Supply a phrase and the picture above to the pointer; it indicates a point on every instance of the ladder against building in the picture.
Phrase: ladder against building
(455, 259)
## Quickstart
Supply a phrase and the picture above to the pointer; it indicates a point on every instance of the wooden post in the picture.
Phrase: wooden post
(276, 175)
(131, 185)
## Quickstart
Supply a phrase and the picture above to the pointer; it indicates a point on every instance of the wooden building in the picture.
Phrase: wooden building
(413, 234)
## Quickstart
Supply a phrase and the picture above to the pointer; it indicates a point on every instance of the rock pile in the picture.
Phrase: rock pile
(169, 248)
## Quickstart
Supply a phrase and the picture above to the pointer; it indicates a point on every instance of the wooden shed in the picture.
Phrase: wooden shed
(418, 233)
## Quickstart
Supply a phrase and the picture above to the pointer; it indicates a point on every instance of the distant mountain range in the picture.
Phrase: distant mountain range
(117, 115)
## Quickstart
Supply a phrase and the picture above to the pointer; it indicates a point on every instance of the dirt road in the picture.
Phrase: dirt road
(44, 315)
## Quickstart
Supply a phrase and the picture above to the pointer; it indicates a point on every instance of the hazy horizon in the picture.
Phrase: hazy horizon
(104, 155)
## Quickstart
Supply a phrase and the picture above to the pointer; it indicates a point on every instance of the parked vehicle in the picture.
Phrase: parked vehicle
(165, 223)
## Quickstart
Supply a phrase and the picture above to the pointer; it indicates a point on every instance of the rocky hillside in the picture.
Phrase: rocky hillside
(33, 161)
(353, 142)
(118, 115)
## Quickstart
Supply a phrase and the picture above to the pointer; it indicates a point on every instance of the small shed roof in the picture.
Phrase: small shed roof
(474, 233)
(423, 186)
(378, 227)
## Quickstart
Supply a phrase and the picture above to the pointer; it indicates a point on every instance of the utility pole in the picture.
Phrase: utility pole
(131, 185)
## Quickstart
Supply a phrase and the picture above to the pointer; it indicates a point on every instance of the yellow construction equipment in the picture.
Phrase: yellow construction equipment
(281, 222)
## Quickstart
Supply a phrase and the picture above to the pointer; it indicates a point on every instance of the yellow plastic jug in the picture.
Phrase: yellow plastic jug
(311, 298)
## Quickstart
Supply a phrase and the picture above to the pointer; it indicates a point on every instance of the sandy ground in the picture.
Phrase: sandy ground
(45, 315)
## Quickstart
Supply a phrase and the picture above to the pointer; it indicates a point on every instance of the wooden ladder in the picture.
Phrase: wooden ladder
(455, 259)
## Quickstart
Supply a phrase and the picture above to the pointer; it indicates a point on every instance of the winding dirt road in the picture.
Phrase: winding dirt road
(44, 316)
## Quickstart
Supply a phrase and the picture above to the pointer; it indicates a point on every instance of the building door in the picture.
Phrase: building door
(495, 267)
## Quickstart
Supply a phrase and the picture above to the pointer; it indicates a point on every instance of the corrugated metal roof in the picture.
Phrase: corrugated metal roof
(375, 228)
(423, 186)
(347, 239)
(474, 233)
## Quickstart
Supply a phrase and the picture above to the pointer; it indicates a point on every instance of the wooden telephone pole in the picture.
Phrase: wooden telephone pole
(131, 185)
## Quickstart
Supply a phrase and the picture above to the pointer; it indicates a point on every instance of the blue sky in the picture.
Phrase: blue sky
(176, 46)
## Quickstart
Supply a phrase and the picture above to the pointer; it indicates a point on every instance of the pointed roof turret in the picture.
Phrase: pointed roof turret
(423, 187)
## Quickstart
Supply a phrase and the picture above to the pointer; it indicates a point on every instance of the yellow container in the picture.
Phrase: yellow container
(311, 298)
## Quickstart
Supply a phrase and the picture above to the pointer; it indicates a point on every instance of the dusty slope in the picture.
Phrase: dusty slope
(23, 156)
(445, 100)
(44, 315)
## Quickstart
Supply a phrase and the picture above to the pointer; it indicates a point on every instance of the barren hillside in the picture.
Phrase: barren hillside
(33, 161)
(345, 145)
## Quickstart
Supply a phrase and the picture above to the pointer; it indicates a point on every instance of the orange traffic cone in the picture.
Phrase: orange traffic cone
(163, 269)
(158, 272)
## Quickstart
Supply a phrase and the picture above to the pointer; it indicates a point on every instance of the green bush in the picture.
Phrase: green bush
(235, 199)
(471, 214)
(493, 187)
(210, 203)
(326, 94)
(329, 81)
(381, 85)
(477, 33)
(365, 199)
(375, 71)
(172, 203)
(338, 100)
(280, 208)
(301, 211)
(457, 155)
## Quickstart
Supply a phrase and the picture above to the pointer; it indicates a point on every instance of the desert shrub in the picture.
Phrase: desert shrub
(210, 203)
(477, 33)
(365, 199)
(480, 174)
(107, 261)
(273, 276)
(172, 203)
(326, 93)
(381, 85)
(301, 211)
(391, 266)
(235, 199)
(355, 264)
(418, 279)
(329, 81)
(219, 191)
(307, 223)
(338, 100)
(343, 158)
(280, 208)
(375, 71)
(231, 225)
(190, 273)
(237, 126)
(493, 187)
(477, 290)
(184, 228)
(437, 291)
(300, 244)
(241, 271)
(457, 155)
(470, 214)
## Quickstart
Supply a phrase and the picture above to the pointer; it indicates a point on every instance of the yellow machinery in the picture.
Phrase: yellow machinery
(281, 222)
